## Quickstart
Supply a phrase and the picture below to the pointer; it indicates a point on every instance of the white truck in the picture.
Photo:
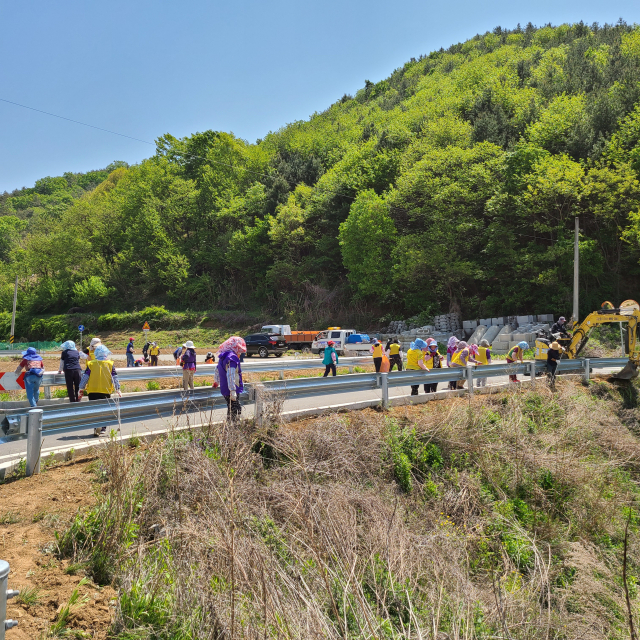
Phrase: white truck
(348, 342)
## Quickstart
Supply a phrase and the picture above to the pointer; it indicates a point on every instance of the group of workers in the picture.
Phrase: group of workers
(100, 378)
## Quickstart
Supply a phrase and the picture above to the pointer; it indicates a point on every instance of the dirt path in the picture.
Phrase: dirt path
(31, 510)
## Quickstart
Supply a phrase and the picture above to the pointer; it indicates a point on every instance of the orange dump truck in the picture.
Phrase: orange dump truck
(294, 339)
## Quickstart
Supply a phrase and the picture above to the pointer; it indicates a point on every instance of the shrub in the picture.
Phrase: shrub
(90, 291)
(53, 328)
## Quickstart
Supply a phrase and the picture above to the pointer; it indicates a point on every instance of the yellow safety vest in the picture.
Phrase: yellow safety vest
(512, 354)
(429, 359)
(413, 357)
(377, 351)
(394, 349)
(154, 351)
(482, 355)
(456, 358)
(100, 380)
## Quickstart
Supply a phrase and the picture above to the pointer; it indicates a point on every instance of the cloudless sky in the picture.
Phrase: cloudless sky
(148, 67)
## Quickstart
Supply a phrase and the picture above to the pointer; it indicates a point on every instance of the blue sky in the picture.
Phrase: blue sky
(149, 67)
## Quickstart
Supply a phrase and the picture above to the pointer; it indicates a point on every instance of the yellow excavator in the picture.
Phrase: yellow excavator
(628, 312)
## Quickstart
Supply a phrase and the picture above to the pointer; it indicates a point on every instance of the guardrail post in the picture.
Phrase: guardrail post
(384, 385)
(259, 406)
(47, 393)
(350, 368)
(5, 594)
(34, 441)
(470, 379)
(532, 373)
(281, 374)
(587, 367)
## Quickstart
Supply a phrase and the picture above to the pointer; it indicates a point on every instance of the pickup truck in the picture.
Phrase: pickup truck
(348, 342)
(294, 339)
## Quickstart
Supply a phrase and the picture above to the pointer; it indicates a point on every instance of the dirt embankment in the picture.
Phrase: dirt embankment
(31, 510)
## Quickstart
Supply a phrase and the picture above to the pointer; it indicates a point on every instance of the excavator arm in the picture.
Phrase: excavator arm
(604, 316)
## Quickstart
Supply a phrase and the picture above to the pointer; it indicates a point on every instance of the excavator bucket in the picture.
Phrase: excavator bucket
(629, 372)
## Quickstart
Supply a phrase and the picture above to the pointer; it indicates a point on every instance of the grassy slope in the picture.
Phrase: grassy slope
(500, 516)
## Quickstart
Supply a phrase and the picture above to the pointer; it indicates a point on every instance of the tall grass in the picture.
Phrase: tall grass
(499, 517)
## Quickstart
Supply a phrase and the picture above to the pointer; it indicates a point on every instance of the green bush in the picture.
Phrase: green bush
(158, 317)
(90, 291)
(53, 328)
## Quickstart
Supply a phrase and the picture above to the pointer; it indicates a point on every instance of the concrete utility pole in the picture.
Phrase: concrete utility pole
(13, 317)
(576, 270)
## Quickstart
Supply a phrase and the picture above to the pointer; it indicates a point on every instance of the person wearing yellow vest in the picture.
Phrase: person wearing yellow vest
(433, 360)
(483, 357)
(461, 358)
(512, 356)
(376, 351)
(100, 378)
(92, 347)
(394, 354)
(415, 361)
(154, 352)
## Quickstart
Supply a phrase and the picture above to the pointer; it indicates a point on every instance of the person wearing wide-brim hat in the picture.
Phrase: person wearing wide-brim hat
(554, 353)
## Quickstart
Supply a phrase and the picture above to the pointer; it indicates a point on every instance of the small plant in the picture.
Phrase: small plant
(152, 385)
(9, 518)
(59, 393)
(59, 627)
(134, 441)
(38, 516)
(29, 596)
(75, 568)
(49, 462)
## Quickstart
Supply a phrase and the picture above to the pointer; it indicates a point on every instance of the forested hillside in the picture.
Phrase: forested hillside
(451, 184)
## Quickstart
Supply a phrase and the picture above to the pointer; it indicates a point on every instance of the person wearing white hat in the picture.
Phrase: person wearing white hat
(154, 352)
(188, 361)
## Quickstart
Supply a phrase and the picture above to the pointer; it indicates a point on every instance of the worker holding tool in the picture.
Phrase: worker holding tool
(515, 353)
(554, 354)
(394, 354)
(228, 374)
(100, 379)
(415, 362)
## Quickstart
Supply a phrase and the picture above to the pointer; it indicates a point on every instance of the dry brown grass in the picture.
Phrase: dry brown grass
(309, 531)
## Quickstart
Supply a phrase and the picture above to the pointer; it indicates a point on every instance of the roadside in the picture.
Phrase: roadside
(31, 511)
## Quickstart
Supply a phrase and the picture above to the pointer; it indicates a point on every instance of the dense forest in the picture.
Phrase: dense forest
(453, 184)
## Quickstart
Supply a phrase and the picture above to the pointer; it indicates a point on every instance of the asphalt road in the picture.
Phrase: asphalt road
(61, 439)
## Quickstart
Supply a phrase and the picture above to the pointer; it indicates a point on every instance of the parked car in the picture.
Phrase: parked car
(263, 344)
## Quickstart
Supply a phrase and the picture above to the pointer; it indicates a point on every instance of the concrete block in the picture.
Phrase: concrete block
(470, 324)
(485, 321)
(497, 322)
(524, 320)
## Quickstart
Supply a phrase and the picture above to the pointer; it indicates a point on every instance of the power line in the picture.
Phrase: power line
(191, 155)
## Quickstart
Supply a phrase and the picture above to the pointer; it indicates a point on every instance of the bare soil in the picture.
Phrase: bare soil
(31, 509)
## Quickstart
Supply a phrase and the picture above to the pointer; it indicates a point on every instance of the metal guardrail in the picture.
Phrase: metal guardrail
(96, 413)
(5, 594)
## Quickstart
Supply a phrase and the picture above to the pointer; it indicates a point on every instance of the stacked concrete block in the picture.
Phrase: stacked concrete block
(478, 335)
(525, 320)
(485, 321)
(545, 317)
(448, 322)
(498, 322)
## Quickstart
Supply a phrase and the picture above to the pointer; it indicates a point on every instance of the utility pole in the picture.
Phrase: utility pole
(13, 317)
(576, 270)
